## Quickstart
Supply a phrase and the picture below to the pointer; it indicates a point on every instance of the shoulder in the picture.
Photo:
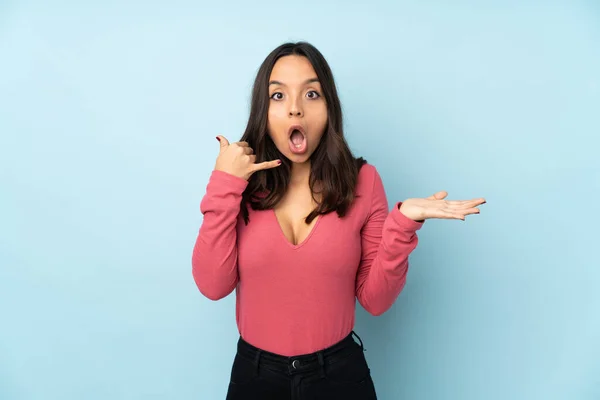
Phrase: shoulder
(367, 170)
(368, 178)
(369, 195)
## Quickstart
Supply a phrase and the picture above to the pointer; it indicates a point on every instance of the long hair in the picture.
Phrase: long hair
(332, 164)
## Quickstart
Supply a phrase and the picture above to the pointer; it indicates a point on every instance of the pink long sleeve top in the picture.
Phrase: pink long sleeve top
(298, 299)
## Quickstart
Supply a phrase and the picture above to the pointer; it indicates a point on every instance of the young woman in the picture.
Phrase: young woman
(301, 229)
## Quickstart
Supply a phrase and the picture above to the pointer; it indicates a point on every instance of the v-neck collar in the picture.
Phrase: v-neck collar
(285, 239)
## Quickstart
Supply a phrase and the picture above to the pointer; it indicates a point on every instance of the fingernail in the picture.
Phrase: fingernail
(218, 138)
(278, 162)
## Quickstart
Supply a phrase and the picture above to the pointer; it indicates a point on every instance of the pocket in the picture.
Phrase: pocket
(243, 370)
(352, 369)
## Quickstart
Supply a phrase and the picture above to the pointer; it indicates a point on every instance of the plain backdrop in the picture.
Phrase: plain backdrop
(108, 117)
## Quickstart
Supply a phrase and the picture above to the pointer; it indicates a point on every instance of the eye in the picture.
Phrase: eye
(277, 96)
(313, 94)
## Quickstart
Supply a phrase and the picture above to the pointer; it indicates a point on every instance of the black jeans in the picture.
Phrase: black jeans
(337, 372)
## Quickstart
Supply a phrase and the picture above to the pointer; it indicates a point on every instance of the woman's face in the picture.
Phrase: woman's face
(297, 109)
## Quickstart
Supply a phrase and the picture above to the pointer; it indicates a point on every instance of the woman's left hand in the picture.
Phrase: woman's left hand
(436, 207)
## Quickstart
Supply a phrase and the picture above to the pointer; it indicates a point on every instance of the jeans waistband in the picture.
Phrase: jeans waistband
(300, 363)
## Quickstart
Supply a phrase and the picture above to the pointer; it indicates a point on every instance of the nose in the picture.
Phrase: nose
(295, 110)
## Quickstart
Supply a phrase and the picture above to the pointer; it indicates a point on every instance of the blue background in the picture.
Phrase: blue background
(108, 118)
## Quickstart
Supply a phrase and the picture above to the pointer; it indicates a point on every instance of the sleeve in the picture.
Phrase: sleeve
(214, 257)
(388, 238)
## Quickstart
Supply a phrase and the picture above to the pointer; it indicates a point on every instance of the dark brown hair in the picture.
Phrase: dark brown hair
(332, 164)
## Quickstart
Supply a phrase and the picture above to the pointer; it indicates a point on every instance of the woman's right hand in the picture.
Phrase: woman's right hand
(238, 159)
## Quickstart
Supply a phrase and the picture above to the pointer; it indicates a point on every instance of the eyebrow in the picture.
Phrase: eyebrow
(306, 82)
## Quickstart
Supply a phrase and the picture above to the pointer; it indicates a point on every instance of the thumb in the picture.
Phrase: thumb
(438, 196)
(223, 141)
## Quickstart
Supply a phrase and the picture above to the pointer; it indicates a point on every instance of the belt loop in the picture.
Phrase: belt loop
(360, 340)
(257, 359)
(321, 363)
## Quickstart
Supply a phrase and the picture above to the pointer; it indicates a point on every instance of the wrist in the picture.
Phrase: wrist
(408, 213)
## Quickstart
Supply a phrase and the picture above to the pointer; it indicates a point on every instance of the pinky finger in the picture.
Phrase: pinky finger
(447, 214)
(266, 165)
(457, 216)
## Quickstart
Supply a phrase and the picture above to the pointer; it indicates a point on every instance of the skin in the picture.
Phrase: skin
(296, 99)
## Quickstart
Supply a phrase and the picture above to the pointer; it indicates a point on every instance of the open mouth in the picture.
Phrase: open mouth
(297, 137)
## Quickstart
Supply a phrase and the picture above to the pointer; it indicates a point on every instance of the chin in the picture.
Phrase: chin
(295, 158)
(298, 158)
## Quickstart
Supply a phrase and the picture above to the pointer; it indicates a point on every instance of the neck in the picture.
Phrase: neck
(300, 173)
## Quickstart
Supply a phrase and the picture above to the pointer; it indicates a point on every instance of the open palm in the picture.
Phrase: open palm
(436, 207)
